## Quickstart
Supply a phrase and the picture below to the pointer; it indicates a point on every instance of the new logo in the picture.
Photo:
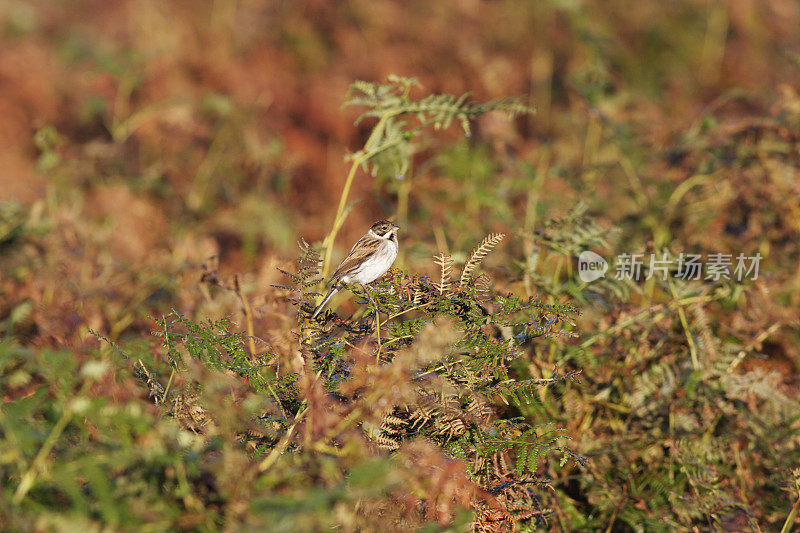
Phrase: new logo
(591, 266)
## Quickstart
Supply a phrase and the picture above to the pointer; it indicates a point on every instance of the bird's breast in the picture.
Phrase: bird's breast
(377, 264)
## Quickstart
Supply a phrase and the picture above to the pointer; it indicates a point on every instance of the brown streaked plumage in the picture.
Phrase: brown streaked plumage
(369, 258)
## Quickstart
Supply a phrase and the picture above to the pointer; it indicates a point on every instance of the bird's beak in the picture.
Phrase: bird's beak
(395, 226)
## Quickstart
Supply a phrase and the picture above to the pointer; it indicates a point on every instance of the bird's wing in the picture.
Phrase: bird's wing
(363, 249)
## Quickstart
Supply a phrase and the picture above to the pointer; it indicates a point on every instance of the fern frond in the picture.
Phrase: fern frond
(389, 148)
(445, 263)
(488, 244)
(482, 286)
(309, 264)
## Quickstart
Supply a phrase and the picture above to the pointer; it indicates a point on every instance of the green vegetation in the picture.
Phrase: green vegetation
(158, 366)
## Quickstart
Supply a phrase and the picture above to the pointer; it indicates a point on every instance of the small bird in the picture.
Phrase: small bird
(368, 260)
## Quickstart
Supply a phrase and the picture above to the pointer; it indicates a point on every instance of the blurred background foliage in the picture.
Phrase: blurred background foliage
(140, 138)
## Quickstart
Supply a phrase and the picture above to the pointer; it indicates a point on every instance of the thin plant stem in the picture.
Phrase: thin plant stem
(283, 444)
(166, 389)
(790, 520)
(686, 329)
(339, 219)
(172, 374)
(248, 315)
(29, 477)
(341, 213)
(378, 331)
(377, 322)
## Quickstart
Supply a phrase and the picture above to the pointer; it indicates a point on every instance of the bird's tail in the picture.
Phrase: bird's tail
(324, 302)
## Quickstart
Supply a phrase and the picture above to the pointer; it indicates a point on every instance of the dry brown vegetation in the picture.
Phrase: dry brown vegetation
(160, 161)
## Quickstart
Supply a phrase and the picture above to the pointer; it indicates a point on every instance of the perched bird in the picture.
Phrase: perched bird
(368, 260)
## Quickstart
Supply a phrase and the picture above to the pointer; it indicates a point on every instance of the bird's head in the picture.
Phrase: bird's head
(384, 229)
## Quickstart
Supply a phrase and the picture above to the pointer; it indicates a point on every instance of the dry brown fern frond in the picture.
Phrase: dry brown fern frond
(390, 434)
(706, 335)
(155, 388)
(395, 420)
(486, 246)
(482, 285)
(488, 520)
(443, 418)
(445, 262)
(450, 429)
(417, 296)
(421, 415)
(480, 409)
(189, 414)
(386, 442)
